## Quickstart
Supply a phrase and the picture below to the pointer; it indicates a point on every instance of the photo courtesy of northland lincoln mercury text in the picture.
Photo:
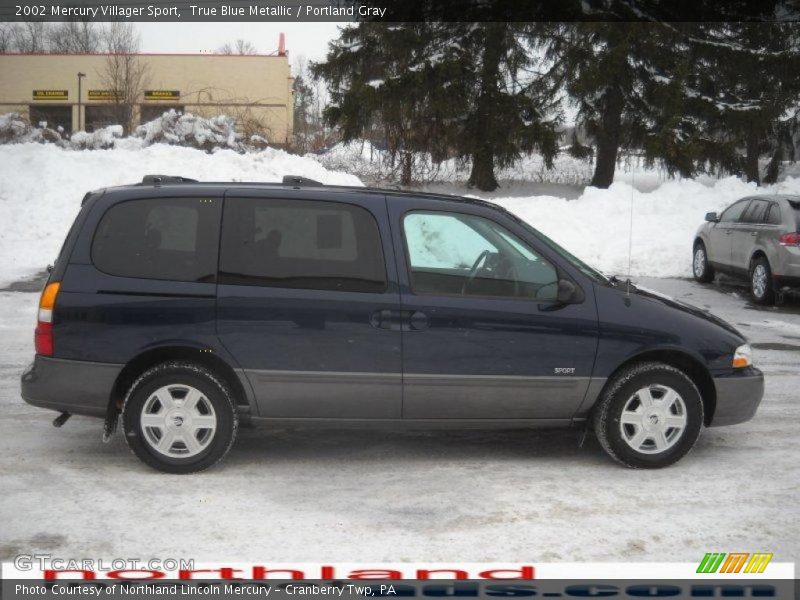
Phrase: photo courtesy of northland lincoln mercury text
(382, 298)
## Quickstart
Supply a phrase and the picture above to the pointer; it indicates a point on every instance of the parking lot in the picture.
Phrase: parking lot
(304, 495)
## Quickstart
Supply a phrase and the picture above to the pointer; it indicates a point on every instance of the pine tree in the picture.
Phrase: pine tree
(507, 110)
(379, 76)
(303, 99)
(744, 91)
(463, 89)
(618, 75)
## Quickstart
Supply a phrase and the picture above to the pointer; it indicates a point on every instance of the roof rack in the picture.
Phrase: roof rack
(293, 180)
(298, 181)
(156, 179)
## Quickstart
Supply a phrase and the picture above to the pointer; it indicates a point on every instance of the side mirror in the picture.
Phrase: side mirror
(712, 217)
(566, 291)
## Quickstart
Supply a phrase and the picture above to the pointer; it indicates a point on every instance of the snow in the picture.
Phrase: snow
(386, 496)
(41, 187)
(97, 140)
(172, 127)
(374, 165)
(189, 130)
(596, 226)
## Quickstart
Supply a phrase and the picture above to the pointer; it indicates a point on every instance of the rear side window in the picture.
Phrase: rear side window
(170, 239)
(302, 244)
(795, 206)
(774, 214)
(757, 212)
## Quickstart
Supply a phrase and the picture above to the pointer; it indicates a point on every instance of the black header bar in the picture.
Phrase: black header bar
(399, 10)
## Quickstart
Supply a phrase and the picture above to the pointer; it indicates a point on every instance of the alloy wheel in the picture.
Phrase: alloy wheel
(653, 419)
(759, 281)
(178, 421)
(699, 261)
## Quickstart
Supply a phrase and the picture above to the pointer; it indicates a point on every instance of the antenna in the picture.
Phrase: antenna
(630, 229)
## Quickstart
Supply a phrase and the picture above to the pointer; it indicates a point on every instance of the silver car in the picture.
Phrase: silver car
(756, 237)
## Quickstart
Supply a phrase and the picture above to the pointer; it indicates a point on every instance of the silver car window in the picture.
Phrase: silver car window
(756, 212)
(774, 214)
(733, 212)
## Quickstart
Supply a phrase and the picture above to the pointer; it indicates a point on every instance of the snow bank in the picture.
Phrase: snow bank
(100, 139)
(596, 226)
(173, 128)
(41, 187)
(374, 165)
(181, 129)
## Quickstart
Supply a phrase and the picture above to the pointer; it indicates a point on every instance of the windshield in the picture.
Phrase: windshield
(576, 262)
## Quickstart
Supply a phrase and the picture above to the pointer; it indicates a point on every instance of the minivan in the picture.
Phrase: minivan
(178, 309)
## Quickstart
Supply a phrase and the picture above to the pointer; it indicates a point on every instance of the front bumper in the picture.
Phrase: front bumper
(738, 396)
(74, 386)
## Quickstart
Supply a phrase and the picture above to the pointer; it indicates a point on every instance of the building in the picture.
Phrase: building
(72, 90)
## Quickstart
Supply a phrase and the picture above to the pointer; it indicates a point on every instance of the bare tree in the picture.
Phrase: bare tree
(6, 38)
(125, 74)
(240, 46)
(29, 37)
(79, 37)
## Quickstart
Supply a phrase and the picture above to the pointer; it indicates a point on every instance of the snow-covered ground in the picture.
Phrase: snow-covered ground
(376, 496)
(41, 187)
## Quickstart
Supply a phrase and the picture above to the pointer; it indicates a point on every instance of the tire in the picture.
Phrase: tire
(626, 398)
(179, 417)
(761, 287)
(700, 268)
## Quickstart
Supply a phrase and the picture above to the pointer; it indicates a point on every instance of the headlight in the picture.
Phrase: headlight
(743, 357)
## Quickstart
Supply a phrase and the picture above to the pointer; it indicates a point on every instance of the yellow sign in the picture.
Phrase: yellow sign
(102, 94)
(50, 95)
(162, 95)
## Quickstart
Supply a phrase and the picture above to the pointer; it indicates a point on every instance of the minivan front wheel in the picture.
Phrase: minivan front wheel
(179, 418)
(649, 416)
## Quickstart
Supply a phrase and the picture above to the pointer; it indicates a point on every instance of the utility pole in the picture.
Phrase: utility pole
(80, 77)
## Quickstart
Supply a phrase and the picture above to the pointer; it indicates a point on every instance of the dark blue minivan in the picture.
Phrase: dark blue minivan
(181, 308)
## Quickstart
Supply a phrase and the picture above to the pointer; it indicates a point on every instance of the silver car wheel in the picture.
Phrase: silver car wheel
(699, 261)
(178, 421)
(759, 281)
(653, 419)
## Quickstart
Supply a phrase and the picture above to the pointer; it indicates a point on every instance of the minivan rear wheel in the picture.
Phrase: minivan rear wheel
(700, 268)
(761, 286)
(649, 416)
(179, 417)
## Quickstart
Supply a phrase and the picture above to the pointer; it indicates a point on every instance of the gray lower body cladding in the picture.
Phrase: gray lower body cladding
(84, 388)
(738, 397)
(73, 386)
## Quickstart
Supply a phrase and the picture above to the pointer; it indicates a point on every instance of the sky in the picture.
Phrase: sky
(309, 40)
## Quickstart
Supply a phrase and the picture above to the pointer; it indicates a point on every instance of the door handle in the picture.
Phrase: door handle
(382, 319)
(728, 231)
(418, 321)
(754, 233)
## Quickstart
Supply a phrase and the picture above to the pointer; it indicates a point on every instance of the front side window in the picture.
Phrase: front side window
(159, 238)
(732, 213)
(465, 255)
(301, 244)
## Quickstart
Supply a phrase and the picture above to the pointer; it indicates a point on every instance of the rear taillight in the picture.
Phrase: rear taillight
(44, 324)
(790, 239)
